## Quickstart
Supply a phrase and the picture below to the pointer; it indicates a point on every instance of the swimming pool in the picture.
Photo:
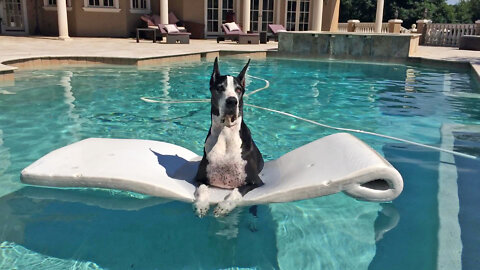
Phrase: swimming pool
(431, 224)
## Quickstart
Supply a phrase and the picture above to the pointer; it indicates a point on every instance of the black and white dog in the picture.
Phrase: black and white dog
(231, 160)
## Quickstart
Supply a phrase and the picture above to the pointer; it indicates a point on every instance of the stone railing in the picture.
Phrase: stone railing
(342, 27)
(439, 34)
(369, 27)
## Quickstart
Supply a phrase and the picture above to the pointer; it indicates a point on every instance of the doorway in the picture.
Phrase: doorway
(14, 19)
(298, 15)
(216, 15)
(261, 15)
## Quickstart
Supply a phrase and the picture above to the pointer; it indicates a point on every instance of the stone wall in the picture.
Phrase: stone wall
(347, 45)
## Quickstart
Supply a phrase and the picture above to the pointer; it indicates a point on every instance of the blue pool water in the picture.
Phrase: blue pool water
(433, 223)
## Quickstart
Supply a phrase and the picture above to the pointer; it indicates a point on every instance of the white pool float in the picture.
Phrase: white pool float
(335, 163)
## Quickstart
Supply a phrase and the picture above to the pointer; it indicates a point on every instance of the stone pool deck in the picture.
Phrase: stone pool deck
(449, 55)
(39, 51)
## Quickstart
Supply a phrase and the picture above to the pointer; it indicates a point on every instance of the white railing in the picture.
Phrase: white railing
(369, 27)
(342, 27)
(363, 27)
(440, 34)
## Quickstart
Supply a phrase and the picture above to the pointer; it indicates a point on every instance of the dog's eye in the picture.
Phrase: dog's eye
(238, 90)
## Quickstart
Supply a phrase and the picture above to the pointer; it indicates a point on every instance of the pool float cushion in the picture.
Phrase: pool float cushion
(339, 162)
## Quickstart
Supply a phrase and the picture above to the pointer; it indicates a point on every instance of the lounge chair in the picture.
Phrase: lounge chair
(153, 21)
(238, 35)
(173, 34)
(275, 29)
(196, 29)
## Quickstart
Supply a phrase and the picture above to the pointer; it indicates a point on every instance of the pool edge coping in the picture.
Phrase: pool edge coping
(7, 70)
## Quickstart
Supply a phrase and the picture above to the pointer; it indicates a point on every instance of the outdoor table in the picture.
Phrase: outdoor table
(146, 30)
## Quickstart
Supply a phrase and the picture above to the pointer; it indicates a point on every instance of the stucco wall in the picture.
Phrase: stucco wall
(133, 22)
(194, 11)
(155, 6)
(83, 23)
(101, 24)
(124, 23)
(176, 7)
(31, 10)
(45, 22)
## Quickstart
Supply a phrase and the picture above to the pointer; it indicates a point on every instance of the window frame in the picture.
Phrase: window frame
(306, 24)
(48, 7)
(101, 7)
(145, 10)
(219, 12)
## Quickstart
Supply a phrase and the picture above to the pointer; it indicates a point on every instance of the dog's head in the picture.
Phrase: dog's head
(227, 95)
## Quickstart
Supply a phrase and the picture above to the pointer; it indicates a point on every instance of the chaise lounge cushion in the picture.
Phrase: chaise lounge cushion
(171, 28)
(151, 20)
(172, 18)
(232, 26)
(276, 28)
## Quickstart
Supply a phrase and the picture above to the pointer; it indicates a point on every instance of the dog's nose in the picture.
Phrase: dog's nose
(231, 101)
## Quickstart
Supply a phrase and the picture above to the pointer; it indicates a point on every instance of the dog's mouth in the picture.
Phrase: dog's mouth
(229, 120)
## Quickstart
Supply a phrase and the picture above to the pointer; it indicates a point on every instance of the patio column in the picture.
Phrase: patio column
(278, 7)
(422, 29)
(317, 15)
(379, 17)
(331, 12)
(62, 20)
(395, 26)
(164, 11)
(246, 15)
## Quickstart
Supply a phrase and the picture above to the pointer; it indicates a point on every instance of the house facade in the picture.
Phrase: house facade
(120, 18)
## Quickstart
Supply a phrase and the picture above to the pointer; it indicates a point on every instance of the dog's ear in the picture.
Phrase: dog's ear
(241, 76)
(216, 72)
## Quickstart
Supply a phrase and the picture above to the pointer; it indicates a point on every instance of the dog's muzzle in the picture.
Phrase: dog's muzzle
(230, 113)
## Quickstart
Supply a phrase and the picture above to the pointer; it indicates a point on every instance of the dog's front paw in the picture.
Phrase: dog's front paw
(223, 208)
(201, 208)
(226, 206)
(201, 204)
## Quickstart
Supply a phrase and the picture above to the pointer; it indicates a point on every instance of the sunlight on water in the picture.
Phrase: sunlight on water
(45, 228)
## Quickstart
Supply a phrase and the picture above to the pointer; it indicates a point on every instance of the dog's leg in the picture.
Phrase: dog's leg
(228, 204)
(247, 188)
(201, 204)
(230, 224)
(231, 200)
(253, 218)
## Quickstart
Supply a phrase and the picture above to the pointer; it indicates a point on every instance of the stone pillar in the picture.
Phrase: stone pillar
(317, 15)
(352, 25)
(379, 17)
(477, 27)
(394, 26)
(164, 11)
(238, 10)
(422, 29)
(246, 15)
(278, 8)
(62, 20)
(331, 12)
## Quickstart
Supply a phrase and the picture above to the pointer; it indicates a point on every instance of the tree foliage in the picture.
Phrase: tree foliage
(467, 11)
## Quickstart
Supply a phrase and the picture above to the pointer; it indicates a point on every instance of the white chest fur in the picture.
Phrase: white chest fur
(226, 168)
